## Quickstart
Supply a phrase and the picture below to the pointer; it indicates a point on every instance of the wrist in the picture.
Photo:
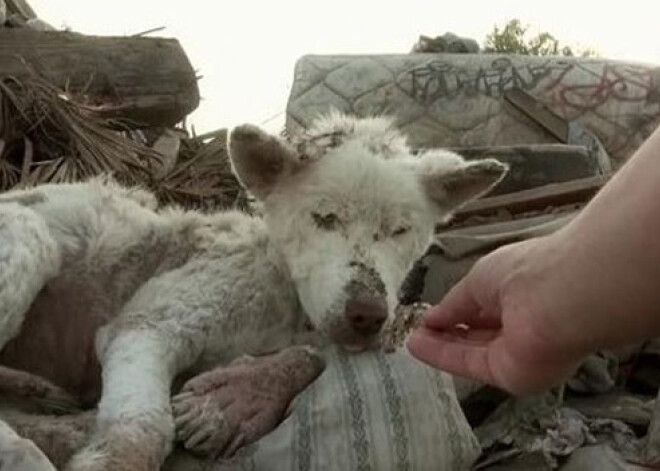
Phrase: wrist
(590, 290)
(544, 287)
(302, 365)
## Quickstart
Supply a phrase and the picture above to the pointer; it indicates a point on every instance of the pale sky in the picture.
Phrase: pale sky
(246, 50)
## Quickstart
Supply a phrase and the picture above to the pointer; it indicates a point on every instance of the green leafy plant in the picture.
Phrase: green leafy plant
(513, 39)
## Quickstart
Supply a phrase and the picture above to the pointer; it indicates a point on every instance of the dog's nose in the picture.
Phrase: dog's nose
(366, 313)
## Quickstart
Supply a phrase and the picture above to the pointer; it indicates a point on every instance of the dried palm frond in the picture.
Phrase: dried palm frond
(202, 177)
(47, 137)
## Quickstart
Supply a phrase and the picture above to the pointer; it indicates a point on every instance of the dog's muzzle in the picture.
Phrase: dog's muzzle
(366, 313)
(366, 305)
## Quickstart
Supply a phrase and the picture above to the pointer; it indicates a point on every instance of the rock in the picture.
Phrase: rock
(597, 374)
(448, 42)
(618, 405)
(541, 424)
(652, 446)
(598, 458)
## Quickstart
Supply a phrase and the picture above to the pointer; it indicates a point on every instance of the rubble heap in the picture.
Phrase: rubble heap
(74, 106)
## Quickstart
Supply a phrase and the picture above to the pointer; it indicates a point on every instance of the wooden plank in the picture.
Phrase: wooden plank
(558, 194)
(146, 81)
(536, 165)
(539, 113)
(458, 243)
(568, 132)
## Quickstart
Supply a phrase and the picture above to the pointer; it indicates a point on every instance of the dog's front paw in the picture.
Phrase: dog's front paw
(222, 410)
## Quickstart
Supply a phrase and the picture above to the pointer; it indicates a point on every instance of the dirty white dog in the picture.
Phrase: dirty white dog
(95, 282)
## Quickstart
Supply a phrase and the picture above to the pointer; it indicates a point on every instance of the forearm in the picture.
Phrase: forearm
(136, 379)
(606, 262)
(299, 366)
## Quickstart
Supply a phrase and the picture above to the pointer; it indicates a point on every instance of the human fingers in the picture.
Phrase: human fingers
(457, 354)
(457, 307)
(463, 306)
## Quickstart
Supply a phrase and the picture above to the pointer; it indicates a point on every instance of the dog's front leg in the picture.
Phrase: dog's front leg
(226, 408)
(135, 429)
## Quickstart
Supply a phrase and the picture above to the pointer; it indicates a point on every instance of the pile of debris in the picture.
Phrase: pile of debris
(47, 136)
(66, 115)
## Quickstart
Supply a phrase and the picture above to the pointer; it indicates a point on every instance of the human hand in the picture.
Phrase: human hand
(498, 324)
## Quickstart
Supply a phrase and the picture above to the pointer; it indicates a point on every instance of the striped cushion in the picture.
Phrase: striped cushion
(371, 411)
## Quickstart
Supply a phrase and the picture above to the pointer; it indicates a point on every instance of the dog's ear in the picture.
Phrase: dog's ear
(450, 181)
(259, 160)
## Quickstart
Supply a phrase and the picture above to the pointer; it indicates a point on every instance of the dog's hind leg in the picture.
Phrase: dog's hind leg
(58, 437)
(19, 454)
(47, 397)
(29, 257)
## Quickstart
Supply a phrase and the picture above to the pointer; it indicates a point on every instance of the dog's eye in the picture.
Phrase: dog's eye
(328, 222)
(401, 230)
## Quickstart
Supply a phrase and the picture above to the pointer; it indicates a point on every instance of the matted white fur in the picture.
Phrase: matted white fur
(347, 210)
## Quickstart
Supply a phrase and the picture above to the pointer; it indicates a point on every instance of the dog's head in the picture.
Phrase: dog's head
(349, 209)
